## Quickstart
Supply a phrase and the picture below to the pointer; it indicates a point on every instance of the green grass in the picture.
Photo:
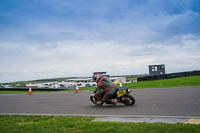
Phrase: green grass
(61, 124)
(174, 82)
(92, 88)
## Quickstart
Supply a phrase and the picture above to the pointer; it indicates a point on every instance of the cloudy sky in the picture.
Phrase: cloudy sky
(62, 38)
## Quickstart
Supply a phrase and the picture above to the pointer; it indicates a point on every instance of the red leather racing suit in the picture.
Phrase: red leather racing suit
(105, 84)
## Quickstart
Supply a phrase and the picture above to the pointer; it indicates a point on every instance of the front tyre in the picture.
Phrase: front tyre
(95, 101)
(127, 99)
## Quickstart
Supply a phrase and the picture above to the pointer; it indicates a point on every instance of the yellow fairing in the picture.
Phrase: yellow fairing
(121, 93)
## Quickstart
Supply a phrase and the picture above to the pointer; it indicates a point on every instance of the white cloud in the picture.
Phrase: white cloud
(62, 60)
(115, 37)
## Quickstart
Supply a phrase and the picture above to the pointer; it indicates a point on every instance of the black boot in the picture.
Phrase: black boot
(110, 101)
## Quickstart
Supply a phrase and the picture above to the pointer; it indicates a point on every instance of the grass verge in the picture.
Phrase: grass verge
(62, 124)
(174, 82)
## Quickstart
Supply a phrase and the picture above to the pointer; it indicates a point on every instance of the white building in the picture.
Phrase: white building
(81, 82)
(86, 82)
(118, 79)
(7, 86)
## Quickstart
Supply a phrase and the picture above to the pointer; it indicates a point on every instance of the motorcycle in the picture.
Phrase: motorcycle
(121, 95)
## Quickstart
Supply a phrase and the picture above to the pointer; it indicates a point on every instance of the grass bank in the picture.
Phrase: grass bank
(174, 82)
(61, 124)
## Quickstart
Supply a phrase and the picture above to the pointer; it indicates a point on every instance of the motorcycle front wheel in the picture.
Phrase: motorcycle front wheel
(127, 99)
(94, 101)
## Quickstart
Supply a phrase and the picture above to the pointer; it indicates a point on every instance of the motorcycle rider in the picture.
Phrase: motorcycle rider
(105, 84)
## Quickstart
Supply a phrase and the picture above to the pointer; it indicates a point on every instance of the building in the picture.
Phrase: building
(156, 69)
(7, 86)
(81, 82)
(118, 79)
(88, 81)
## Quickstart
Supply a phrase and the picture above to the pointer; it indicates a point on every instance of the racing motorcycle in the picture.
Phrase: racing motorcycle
(121, 95)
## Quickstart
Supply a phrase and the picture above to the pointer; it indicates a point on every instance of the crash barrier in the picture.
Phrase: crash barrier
(168, 76)
(35, 89)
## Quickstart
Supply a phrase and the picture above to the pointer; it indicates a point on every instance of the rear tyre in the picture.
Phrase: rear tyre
(128, 99)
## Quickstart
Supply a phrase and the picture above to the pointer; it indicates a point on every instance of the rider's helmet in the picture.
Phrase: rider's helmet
(96, 76)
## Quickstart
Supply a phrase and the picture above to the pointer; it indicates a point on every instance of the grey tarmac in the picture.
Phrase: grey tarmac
(152, 105)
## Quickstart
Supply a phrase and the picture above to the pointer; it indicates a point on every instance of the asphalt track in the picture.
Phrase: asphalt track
(178, 101)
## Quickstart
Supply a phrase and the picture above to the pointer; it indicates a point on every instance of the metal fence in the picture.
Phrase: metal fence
(37, 89)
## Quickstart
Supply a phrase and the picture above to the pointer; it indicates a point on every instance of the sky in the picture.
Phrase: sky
(67, 38)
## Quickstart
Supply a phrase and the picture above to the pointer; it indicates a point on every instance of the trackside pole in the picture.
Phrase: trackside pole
(120, 84)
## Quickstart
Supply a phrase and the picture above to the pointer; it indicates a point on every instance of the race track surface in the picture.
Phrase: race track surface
(178, 101)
